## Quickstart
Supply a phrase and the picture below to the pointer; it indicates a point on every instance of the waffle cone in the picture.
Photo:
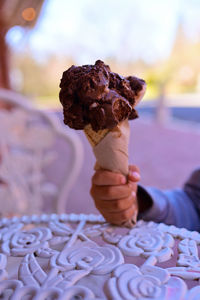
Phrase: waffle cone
(94, 137)
(110, 147)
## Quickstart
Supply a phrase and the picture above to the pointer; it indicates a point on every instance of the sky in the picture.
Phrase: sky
(122, 29)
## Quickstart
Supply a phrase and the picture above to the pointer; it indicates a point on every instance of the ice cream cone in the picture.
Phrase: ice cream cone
(94, 94)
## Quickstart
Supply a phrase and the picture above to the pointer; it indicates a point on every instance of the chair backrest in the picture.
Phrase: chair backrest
(40, 159)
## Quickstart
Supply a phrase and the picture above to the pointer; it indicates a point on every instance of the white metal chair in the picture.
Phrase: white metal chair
(40, 159)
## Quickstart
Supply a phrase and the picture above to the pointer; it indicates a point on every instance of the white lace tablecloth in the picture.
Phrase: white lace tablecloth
(82, 257)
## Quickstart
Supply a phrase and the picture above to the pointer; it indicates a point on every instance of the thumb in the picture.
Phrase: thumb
(134, 173)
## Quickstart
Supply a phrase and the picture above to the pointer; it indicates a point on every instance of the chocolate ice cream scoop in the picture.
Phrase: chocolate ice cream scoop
(92, 94)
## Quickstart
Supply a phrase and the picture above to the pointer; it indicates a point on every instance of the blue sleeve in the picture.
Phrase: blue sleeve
(173, 207)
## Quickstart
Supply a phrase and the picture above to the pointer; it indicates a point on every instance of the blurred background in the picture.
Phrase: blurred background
(157, 40)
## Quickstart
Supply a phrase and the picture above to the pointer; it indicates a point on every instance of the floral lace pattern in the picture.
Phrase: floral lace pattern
(82, 257)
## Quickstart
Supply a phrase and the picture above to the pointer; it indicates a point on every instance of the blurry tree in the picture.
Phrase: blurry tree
(40, 79)
(179, 73)
(185, 62)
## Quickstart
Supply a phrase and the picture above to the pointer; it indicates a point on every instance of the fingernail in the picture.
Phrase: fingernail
(136, 175)
(123, 180)
(133, 194)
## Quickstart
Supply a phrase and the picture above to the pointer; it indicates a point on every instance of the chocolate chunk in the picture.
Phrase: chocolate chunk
(112, 109)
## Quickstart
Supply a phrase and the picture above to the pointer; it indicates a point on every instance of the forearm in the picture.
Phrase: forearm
(170, 207)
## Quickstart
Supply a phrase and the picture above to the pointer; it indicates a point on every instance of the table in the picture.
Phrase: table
(78, 256)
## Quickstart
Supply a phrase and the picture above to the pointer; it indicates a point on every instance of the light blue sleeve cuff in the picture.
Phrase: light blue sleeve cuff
(157, 212)
(173, 207)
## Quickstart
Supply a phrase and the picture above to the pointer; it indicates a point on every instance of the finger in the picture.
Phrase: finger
(115, 205)
(133, 186)
(104, 177)
(134, 173)
(133, 168)
(120, 217)
(111, 192)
